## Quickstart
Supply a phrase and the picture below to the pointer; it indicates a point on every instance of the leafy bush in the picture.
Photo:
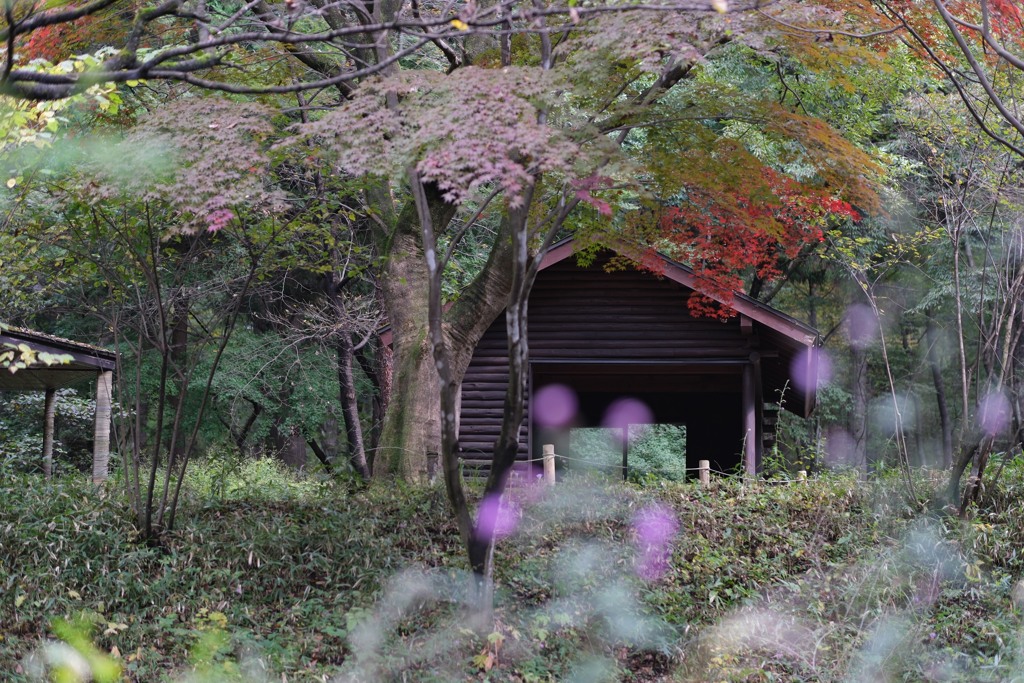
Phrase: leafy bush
(657, 451)
(228, 477)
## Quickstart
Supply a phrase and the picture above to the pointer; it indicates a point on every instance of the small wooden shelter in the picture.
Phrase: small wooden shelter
(629, 333)
(86, 362)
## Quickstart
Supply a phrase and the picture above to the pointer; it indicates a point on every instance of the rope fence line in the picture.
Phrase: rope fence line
(702, 471)
(589, 463)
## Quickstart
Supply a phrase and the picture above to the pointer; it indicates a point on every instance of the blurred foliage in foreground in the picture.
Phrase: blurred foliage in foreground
(277, 574)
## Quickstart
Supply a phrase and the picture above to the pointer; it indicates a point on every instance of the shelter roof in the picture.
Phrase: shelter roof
(86, 361)
(784, 324)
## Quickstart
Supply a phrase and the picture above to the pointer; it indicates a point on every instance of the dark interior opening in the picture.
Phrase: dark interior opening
(707, 399)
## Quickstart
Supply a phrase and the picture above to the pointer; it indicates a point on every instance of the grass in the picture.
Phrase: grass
(271, 574)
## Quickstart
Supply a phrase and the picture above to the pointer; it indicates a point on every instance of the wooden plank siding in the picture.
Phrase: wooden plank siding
(629, 332)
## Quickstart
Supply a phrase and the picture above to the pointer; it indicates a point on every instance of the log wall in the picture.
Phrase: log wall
(616, 333)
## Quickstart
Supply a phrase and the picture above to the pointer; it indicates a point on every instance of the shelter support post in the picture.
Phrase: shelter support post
(752, 429)
(101, 426)
(48, 411)
(755, 361)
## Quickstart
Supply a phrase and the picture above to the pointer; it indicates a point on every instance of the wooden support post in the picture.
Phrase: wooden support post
(750, 430)
(755, 362)
(625, 452)
(549, 464)
(101, 427)
(704, 472)
(48, 409)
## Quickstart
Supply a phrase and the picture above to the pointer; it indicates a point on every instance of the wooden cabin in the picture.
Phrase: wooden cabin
(606, 336)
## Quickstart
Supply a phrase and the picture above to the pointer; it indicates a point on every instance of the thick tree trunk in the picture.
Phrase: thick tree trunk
(412, 423)
(859, 410)
(412, 426)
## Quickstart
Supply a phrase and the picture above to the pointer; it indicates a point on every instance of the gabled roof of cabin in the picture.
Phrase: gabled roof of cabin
(86, 361)
(786, 325)
(795, 340)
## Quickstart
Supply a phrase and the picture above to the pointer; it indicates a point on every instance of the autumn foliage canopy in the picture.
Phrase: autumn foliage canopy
(724, 242)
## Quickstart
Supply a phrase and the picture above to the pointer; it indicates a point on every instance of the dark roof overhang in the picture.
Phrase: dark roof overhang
(85, 361)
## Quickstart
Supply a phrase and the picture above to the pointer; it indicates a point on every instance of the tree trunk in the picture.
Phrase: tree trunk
(412, 426)
(180, 373)
(350, 405)
(291, 446)
(375, 360)
(320, 454)
(969, 454)
(412, 422)
(329, 435)
(931, 337)
(859, 411)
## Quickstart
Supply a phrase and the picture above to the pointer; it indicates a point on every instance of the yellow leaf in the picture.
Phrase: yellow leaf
(75, 595)
(12, 182)
(459, 24)
(20, 600)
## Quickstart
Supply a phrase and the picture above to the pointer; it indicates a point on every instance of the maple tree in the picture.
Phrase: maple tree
(551, 148)
(726, 242)
(531, 125)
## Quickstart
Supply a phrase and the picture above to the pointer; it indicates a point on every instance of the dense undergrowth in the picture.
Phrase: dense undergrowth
(275, 577)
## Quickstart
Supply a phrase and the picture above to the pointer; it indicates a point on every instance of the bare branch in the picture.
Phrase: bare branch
(182, 62)
(830, 31)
